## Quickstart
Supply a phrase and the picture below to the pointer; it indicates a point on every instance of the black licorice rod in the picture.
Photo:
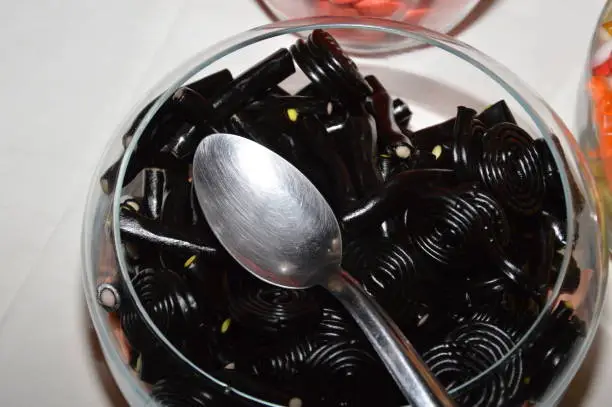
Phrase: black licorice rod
(139, 229)
(395, 196)
(251, 84)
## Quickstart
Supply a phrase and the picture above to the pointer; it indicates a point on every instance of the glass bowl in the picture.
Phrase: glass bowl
(436, 15)
(595, 108)
(433, 94)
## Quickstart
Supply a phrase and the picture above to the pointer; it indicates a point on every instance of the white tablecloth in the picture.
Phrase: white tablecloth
(70, 70)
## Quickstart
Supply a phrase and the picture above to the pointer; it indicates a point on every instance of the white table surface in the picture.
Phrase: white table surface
(70, 69)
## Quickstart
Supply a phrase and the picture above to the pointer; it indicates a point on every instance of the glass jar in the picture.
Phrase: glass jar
(478, 81)
(596, 108)
(436, 15)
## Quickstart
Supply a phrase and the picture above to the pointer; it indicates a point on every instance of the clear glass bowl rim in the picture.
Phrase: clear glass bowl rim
(272, 8)
(502, 76)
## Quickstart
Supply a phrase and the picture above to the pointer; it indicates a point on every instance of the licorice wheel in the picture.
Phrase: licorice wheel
(492, 343)
(169, 303)
(450, 229)
(510, 167)
(335, 325)
(327, 66)
(188, 391)
(286, 364)
(388, 277)
(270, 309)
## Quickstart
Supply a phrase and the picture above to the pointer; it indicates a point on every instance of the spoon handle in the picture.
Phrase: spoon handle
(410, 373)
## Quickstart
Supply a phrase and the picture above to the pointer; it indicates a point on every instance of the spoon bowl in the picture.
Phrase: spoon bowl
(280, 227)
(276, 224)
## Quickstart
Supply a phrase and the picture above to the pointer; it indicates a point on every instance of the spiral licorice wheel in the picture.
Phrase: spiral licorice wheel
(454, 363)
(285, 364)
(270, 309)
(188, 391)
(450, 363)
(467, 145)
(493, 344)
(494, 217)
(345, 371)
(335, 325)
(342, 359)
(149, 290)
(511, 169)
(450, 231)
(389, 276)
(425, 323)
(169, 303)
(327, 66)
(357, 253)
(498, 316)
(551, 347)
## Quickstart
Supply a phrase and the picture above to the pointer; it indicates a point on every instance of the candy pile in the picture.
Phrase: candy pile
(456, 230)
(600, 87)
(369, 8)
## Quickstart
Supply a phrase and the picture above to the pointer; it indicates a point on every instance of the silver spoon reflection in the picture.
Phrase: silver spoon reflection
(278, 226)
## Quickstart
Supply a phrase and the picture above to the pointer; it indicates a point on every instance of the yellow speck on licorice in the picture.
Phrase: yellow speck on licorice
(437, 151)
(385, 156)
(292, 114)
(225, 325)
(138, 367)
(189, 261)
(527, 380)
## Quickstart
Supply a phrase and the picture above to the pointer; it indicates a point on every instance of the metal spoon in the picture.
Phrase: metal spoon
(278, 226)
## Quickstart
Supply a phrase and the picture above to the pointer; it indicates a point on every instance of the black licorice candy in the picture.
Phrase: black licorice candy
(331, 71)
(374, 209)
(402, 114)
(391, 139)
(269, 309)
(355, 140)
(141, 230)
(252, 84)
(460, 241)
(154, 192)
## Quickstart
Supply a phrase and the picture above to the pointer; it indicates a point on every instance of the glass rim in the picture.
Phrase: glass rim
(466, 10)
(453, 46)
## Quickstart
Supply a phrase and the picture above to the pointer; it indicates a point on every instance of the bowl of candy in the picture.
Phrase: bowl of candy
(466, 210)
(595, 108)
(436, 15)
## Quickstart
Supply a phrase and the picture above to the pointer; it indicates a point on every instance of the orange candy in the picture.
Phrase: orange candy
(327, 8)
(370, 8)
(601, 95)
(603, 69)
(608, 27)
(377, 8)
(599, 87)
(354, 8)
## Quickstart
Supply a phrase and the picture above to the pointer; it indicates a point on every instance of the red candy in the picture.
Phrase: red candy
(603, 69)
(370, 8)
(378, 8)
